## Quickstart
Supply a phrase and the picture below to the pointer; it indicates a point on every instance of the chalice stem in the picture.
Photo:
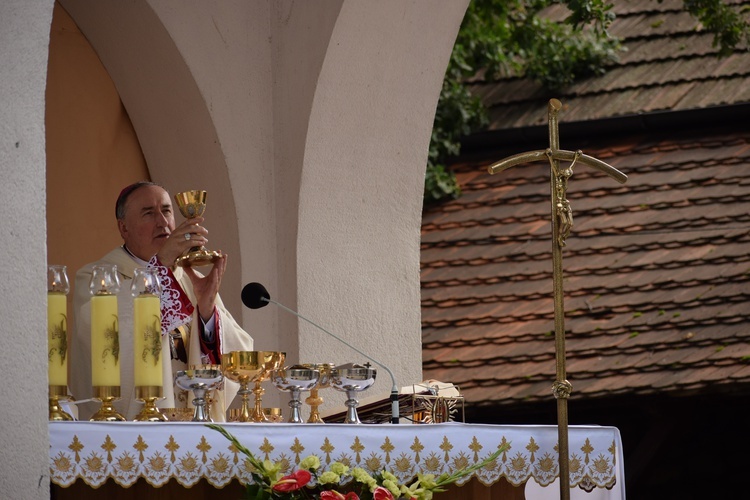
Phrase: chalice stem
(258, 415)
(351, 408)
(314, 401)
(294, 404)
(245, 409)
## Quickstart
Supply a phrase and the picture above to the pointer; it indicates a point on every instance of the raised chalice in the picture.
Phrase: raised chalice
(245, 367)
(193, 204)
(200, 382)
(351, 379)
(295, 379)
(314, 399)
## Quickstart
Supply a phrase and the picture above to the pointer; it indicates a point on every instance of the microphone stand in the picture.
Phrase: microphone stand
(394, 388)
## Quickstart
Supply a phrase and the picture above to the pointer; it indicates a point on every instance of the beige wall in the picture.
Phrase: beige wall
(92, 150)
(307, 123)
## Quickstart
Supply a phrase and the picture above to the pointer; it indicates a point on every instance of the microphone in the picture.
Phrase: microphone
(255, 296)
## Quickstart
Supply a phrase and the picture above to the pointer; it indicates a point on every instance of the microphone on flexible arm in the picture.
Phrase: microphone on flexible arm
(255, 296)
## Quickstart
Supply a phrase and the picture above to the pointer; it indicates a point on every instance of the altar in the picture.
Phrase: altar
(87, 456)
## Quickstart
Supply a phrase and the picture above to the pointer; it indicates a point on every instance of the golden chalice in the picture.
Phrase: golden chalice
(193, 204)
(245, 367)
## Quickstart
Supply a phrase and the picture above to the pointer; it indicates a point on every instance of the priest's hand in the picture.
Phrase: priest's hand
(206, 288)
(187, 235)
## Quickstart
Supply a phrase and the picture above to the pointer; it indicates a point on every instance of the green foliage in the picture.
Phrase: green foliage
(503, 38)
(726, 23)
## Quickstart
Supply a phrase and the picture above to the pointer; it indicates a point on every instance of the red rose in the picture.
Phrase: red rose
(293, 481)
(381, 493)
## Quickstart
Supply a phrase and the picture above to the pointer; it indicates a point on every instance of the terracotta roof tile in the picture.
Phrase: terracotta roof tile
(657, 275)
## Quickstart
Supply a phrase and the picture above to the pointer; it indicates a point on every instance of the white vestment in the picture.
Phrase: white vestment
(232, 338)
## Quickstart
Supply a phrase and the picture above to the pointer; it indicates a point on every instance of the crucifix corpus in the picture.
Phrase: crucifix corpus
(562, 223)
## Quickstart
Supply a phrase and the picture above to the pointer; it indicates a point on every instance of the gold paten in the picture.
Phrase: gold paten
(107, 395)
(245, 367)
(562, 223)
(193, 204)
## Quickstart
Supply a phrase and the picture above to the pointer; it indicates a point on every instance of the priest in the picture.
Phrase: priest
(196, 327)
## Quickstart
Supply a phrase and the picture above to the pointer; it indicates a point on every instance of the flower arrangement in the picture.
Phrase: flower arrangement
(340, 482)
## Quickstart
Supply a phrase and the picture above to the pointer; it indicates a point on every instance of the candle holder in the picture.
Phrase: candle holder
(149, 395)
(351, 379)
(58, 287)
(200, 382)
(247, 367)
(314, 400)
(295, 379)
(58, 393)
(107, 395)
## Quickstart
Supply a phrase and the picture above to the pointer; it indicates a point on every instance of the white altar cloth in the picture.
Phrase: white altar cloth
(189, 451)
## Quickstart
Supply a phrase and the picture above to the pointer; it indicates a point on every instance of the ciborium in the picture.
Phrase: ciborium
(200, 382)
(314, 400)
(351, 379)
(294, 380)
(246, 367)
(193, 204)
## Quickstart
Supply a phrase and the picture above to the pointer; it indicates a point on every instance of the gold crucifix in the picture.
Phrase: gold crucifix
(562, 223)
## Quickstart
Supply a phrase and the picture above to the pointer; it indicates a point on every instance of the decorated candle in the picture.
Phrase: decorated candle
(147, 359)
(105, 341)
(57, 338)
(57, 325)
(147, 341)
(105, 328)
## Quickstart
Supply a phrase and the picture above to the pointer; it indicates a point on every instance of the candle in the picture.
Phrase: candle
(105, 341)
(57, 338)
(147, 341)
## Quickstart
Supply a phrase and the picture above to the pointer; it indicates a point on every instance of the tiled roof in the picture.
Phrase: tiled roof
(657, 271)
(669, 65)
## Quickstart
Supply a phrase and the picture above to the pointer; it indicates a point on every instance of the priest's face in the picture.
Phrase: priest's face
(148, 221)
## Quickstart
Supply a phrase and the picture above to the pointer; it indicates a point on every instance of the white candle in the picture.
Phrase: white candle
(147, 341)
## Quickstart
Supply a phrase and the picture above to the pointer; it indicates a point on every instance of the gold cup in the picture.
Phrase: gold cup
(245, 367)
(193, 204)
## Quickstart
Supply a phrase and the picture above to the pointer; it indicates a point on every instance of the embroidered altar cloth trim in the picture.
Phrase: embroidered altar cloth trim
(189, 451)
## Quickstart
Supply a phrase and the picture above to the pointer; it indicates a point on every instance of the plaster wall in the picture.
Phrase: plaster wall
(360, 204)
(24, 37)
